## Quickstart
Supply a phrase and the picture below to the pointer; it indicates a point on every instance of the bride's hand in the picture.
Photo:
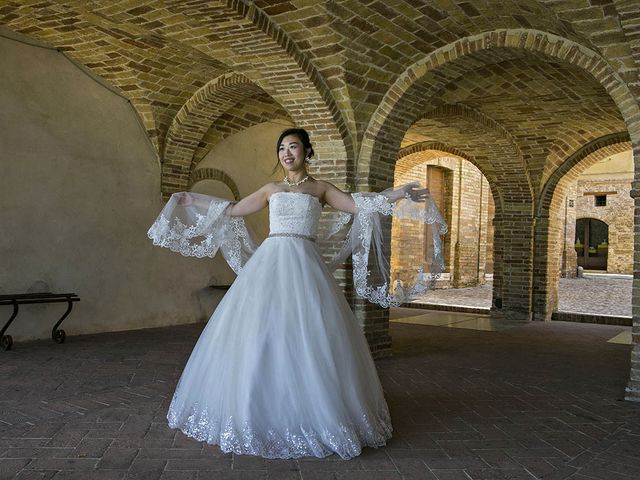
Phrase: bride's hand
(415, 193)
(184, 198)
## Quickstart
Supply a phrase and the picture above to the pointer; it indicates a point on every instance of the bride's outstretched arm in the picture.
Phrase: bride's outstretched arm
(344, 202)
(250, 204)
(338, 199)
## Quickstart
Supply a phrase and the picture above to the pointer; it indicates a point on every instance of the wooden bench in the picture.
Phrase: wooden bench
(58, 336)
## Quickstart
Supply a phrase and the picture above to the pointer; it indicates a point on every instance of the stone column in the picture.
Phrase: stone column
(513, 247)
(569, 265)
(546, 252)
(467, 224)
(553, 252)
(632, 392)
(374, 321)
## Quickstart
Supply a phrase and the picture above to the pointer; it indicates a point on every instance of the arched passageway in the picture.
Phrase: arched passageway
(463, 195)
(555, 253)
(524, 89)
(521, 145)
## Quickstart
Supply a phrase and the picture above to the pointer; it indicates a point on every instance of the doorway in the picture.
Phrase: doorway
(592, 243)
(438, 181)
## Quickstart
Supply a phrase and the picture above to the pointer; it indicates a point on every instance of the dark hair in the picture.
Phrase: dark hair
(303, 135)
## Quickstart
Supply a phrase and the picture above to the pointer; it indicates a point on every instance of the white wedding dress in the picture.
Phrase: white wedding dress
(282, 369)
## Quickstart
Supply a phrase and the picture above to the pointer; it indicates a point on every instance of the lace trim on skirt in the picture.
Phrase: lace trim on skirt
(347, 440)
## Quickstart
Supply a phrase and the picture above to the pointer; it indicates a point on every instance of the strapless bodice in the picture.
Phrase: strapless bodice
(294, 213)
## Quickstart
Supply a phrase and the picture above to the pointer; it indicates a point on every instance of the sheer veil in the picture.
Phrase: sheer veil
(196, 225)
(368, 243)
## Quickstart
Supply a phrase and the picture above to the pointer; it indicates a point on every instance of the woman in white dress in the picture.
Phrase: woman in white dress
(282, 369)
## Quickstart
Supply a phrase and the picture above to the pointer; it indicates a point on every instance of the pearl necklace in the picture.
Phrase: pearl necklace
(291, 183)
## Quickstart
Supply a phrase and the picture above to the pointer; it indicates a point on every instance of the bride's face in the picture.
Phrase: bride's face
(291, 153)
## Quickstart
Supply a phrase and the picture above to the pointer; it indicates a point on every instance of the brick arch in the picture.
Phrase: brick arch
(514, 222)
(251, 111)
(533, 41)
(159, 63)
(432, 145)
(483, 141)
(475, 116)
(549, 237)
(443, 149)
(579, 161)
(424, 157)
(430, 158)
(193, 121)
(514, 269)
(510, 152)
(214, 174)
(291, 78)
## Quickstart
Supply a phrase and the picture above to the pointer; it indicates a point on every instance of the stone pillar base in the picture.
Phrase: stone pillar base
(632, 392)
(381, 348)
(542, 316)
(374, 321)
(510, 315)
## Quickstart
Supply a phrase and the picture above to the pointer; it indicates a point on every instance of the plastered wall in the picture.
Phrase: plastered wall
(79, 187)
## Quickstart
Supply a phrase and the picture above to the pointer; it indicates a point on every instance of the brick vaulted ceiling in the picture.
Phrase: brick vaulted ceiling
(328, 64)
(549, 109)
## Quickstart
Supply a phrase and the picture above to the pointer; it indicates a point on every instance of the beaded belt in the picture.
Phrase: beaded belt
(294, 235)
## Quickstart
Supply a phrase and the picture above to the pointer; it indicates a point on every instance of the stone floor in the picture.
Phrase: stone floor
(536, 401)
(593, 294)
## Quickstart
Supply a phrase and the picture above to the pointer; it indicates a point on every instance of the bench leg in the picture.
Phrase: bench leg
(5, 340)
(59, 336)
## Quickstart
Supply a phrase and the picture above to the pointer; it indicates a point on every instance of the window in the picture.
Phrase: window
(600, 200)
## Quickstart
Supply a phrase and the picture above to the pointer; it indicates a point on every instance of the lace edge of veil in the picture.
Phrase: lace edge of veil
(201, 228)
(370, 257)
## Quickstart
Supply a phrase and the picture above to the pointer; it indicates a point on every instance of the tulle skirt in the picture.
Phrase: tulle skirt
(282, 369)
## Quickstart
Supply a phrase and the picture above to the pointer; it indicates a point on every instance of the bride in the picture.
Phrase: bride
(282, 369)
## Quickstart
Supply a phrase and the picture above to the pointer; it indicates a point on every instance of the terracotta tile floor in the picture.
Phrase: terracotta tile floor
(541, 400)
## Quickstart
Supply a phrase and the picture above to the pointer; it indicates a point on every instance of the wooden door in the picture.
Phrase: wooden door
(436, 185)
